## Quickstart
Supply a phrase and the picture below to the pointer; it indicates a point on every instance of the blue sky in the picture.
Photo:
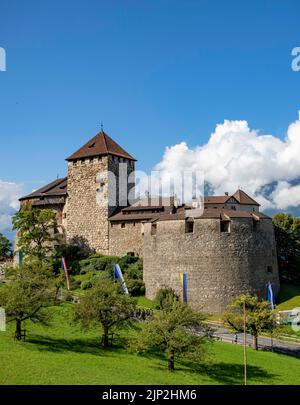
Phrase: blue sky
(157, 73)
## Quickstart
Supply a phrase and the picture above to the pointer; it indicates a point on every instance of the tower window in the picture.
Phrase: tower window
(269, 269)
(123, 225)
(189, 227)
(225, 226)
(153, 229)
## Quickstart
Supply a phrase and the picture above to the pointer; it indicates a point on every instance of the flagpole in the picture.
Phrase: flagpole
(245, 342)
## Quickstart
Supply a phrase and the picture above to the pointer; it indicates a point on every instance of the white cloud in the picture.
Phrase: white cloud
(9, 195)
(235, 156)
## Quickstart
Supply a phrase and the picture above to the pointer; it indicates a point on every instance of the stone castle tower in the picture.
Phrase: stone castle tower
(94, 191)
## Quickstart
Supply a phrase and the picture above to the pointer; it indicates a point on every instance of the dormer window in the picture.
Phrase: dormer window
(91, 145)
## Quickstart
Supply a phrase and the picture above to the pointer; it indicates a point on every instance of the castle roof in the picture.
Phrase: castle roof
(100, 145)
(240, 196)
(244, 198)
(57, 188)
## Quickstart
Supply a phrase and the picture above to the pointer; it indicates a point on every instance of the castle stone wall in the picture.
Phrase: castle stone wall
(219, 265)
(86, 218)
(125, 240)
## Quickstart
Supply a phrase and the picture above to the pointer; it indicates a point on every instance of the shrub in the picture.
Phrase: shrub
(86, 284)
(98, 263)
(165, 298)
(136, 287)
(135, 270)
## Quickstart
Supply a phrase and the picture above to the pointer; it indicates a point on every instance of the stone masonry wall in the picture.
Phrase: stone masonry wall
(219, 265)
(86, 217)
(92, 183)
(125, 240)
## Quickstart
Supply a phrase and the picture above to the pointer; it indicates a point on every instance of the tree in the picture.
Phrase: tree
(105, 304)
(37, 230)
(5, 247)
(177, 330)
(259, 317)
(25, 295)
(287, 234)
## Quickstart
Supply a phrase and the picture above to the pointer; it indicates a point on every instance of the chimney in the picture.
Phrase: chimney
(226, 193)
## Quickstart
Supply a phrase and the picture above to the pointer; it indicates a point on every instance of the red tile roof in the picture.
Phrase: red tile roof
(100, 145)
(55, 189)
(244, 198)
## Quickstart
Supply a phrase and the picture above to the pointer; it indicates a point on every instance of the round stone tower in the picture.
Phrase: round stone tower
(222, 256)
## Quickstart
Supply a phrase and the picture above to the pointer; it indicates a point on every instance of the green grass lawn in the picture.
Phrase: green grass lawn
(64, 354)
(289, 297)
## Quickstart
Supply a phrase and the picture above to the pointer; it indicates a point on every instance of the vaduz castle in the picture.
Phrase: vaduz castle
(226, 250)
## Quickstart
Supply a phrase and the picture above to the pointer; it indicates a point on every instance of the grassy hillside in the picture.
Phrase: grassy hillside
(64, 354)
(289, 297)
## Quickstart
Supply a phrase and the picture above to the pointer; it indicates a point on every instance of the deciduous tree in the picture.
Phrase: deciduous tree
(287, 233)
(259, 317)
(5, 247)
(106, 305)
(37, 230)
(178, 331)
(26, 294)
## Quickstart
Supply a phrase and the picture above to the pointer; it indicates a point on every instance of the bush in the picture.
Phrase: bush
(135, 270)
(165, 298)
(68, 297)
(98, 263)
(135, 287)
(126, 261)
(86, 284)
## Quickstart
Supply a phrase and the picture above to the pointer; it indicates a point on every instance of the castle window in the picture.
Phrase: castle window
(132, 254)
(269, 269)
(153, 229)
(225, 226)
(123, 225)
(189, 227)
(64, 215)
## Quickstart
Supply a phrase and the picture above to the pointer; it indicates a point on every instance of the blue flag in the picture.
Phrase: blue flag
(119, 275)
(270, 296)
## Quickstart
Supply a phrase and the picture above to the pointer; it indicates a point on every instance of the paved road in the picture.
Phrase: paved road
(264, 343)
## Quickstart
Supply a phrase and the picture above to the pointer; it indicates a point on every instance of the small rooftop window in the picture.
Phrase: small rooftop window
(91, 145)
